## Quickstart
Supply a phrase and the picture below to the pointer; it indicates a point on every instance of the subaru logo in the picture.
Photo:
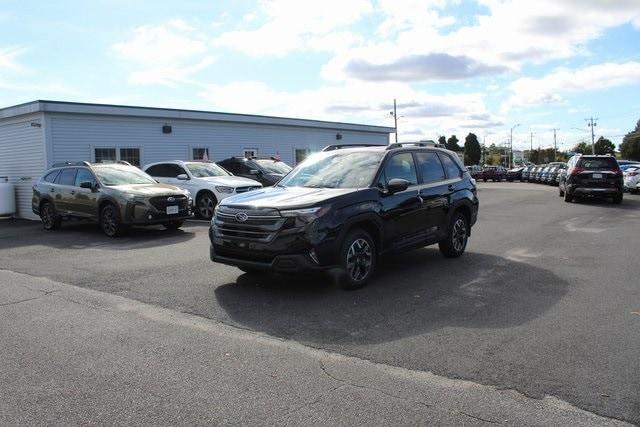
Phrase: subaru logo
(242, 217)
(171, 199)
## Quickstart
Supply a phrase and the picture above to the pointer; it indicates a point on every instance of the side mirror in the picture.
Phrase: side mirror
(87, 184)
(183, 177)
(254, 172)
(397, 185)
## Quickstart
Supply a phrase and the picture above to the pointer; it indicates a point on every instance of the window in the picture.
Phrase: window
(131, 155)
(430, 167)
(165, 170)
(601, 163)
(200, 154)
(250, 152)
(84, 175)
(301, 154)
(401, 166)
(51, 176)
(450, 168)
(67, 176)
(230, 166)
(105, 155)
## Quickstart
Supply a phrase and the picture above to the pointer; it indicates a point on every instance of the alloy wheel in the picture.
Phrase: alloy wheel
(359, 260)
(109, 224)
(47, 216)
(206, 207)
(459, 235)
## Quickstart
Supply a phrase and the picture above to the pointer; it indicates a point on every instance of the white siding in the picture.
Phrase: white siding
(73, 137)
(22, 157)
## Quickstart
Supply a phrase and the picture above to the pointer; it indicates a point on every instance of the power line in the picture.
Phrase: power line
(591, 123)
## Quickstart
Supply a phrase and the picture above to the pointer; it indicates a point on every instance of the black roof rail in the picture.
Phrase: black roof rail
(415, 144)
(68, 163)
(339, 146)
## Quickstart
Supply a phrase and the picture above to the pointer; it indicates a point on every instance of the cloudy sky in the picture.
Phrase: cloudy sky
(455, 66)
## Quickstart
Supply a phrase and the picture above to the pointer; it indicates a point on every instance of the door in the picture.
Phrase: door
(85, 200)
(435, 191)
(402, 212)
(65, 190)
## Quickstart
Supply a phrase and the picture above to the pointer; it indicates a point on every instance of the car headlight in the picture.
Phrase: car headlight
(134, 197)
(306, 215)
(223, 189)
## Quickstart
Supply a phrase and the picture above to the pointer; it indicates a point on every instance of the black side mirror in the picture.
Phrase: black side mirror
(397, 185)
(87, 184)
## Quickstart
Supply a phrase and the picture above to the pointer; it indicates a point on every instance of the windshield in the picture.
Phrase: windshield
(203, 170)
(121, 175)
(598, 163)
(337, 170)
(273, 166)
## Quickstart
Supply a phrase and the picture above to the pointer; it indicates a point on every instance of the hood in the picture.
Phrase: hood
(149, 189)
(286, 197)
(232, 181)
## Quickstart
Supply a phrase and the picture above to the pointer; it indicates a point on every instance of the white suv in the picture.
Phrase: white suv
(207, 182)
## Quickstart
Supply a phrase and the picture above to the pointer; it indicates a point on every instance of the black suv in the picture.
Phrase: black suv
(114, 194)
(594, 176)
(342, 208)
(266, 170)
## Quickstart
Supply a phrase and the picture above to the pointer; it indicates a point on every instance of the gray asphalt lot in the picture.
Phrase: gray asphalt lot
(545, 302)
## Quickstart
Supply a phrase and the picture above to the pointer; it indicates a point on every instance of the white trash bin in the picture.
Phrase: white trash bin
(7, 197)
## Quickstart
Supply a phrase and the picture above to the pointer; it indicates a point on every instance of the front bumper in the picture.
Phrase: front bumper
(137, 213)
(290, 263)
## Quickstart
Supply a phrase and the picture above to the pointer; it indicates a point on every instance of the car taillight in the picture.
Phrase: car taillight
(576, 171)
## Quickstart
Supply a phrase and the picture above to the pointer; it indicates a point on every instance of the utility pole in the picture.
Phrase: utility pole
(511, 145)
(555, 145)
(531, 149)
(395, 118)
(591, 123)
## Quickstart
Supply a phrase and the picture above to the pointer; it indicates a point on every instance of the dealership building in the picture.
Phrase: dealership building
(35, 135)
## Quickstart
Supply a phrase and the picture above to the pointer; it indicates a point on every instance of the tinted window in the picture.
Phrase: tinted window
(165, 170)
(231, 166)
(600, 163)
(51, 176)
(430, 167)
(84, 175)
(401, 166)
(67, 176)
(451, 169)
(105, 154)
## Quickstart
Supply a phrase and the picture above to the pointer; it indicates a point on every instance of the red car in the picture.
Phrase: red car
(494, 173)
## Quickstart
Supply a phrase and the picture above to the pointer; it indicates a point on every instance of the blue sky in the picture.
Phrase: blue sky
(455, 66)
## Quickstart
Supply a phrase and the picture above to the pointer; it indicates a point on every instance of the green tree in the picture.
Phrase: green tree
(442, 140)
(452, 143)
(582, 148)
(630, 147)
(472, 150)
(604, 146)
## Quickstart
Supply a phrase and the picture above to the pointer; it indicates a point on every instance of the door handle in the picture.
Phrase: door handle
(451, 187)
(420, 199)
(73, 192)
(52, 190)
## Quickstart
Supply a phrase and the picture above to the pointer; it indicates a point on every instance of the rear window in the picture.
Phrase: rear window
(601, 163)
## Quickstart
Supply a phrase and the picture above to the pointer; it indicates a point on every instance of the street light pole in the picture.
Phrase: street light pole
(511, 145)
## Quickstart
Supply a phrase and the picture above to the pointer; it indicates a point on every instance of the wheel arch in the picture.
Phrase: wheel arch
(369, 223)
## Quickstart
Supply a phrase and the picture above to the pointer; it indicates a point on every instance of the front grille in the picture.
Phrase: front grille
(245, 189)
(260, 225)
(161, 202)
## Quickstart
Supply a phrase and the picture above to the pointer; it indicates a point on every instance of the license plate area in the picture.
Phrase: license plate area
(597, 176)
(172, 210)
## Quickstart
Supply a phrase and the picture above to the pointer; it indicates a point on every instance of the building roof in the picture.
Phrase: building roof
(172, 113)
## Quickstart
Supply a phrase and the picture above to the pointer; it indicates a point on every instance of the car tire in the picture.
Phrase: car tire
(205, 204)
(617, 199)
(110, 221)
(357, 259)
(457, 236)
(568, 197)
(173, 225)
(50, 220)
(560, 192)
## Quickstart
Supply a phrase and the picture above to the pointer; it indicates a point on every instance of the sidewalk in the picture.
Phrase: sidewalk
(75, 356)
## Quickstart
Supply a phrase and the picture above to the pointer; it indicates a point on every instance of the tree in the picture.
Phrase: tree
(442, 140)
(452, 143)
(472, 151)
(630, 147)
(604, 146)
(582, 148)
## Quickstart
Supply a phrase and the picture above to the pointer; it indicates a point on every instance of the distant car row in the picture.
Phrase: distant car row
(118, 194)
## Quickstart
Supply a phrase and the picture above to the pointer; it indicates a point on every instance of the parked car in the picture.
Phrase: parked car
(205, 180)
(538, 174)
(525, 173)
(347, 207)
(266, 170)
(475, 171)
(532, 173)
(631, 177)
(553, 176)
(515, 174)
(114, 194)
(593, 176)
(494, 173)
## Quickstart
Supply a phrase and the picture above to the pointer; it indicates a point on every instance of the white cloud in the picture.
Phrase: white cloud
(425, 114)
(8, 57)
(294, 25)
(164, 54)
(550, 88)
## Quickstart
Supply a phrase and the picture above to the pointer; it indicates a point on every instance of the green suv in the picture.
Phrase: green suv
(114, 194)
